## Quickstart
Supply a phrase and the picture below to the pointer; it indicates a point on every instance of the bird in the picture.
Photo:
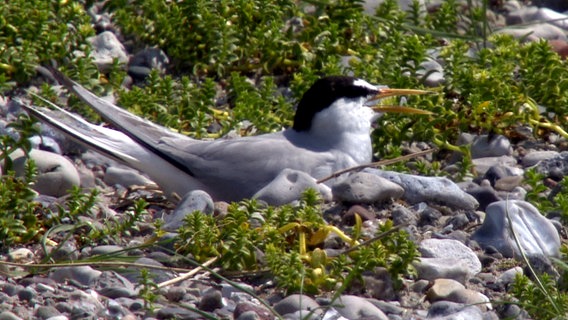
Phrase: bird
(330, 132)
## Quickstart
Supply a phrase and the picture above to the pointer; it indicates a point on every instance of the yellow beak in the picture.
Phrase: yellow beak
(390, 92)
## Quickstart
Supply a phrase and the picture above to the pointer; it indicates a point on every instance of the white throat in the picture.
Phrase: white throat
(346, 126)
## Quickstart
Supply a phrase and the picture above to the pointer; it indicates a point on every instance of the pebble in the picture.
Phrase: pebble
(482, 165)
(288, 186)
(429, 189)
(177, 313)
(151, 58)
(506, 278)
(534, 14)
(378, 284)
(196, 200)
(107, 48)
(211, 300)
(534, 32)
(296, 302)
(534, 157)
(366, 188)
(248, 308)
(355, 307)
(45, 143)
(83, 275)
(555, 168)
(7, 315)
(435, 268)
(56, 174)
(470, 297)
(536, 234)
(126, 177)
(402, 215)
(21, 255)
(495, 145)
(112, 285)
(484, 196)
(447, 248)
(47, 312)
(446, 310)
(431, 72)
(442, 289)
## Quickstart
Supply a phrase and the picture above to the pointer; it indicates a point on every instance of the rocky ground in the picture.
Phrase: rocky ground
(469, 256)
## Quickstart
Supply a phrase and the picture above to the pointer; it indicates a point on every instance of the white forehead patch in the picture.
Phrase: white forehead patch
(364, 84)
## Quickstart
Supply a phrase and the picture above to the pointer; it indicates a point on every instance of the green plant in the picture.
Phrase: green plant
(23, 128)
(18, 220)
(33, 32)
(147, 290)
(542, 303)
(290, 239)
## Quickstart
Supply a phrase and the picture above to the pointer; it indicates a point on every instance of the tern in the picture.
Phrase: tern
(331, 131)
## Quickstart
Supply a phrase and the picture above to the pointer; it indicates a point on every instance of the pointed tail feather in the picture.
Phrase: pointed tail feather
(144, 132)
(104, 140)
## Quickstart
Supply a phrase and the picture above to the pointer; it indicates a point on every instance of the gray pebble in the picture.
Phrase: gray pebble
(46, 312)
(177, 313)
(26, 294)
(449, 268)
(126, 177)
(389, 308)
(402, 215)
(506, 278)
(513, 311)
(45, 143)
(196, 200)
(361, 187)
(85, 305)
(7, 315)
(534, 157)
(431, 73)
(423, 189)
(288, 186)
(484, 195)
(481, 165)
(106, 48)
(211, 300)
(261, 312)
(295, 302)
(443, 248)
(67, 251)
(535, 32)
(354, 307)
(494, 145)
(428, 216)
(11, 289)
(112, 285)
(115, 310)
(59, 317)
(537, 235)
(378, 284)
(446, 310)
(228, 290)
(56, 174)
(105, 249)
(151, 58)
(248, 315)
(83, 275)
(555, 168)
(535, 14)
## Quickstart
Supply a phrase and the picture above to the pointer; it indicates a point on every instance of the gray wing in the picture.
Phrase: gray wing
(237, 169)
(144, 132)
